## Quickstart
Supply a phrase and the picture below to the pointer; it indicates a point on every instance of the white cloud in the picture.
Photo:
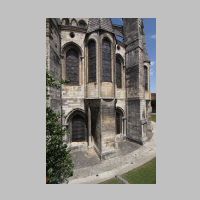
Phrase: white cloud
(153, 63)
(152, 68)
(153, 36)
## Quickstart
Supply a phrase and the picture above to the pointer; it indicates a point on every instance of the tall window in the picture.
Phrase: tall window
(118, 72)
(145, 78)
(106, 61)
(91, 61)
(72, 67)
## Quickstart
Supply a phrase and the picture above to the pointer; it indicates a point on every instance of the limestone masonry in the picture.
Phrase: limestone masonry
(107, 97)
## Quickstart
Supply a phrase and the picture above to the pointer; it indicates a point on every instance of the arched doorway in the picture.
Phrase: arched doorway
(78, 129)
(119, 121)
(77, 126)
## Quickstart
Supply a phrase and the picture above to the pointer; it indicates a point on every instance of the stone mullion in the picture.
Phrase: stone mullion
(99, 65)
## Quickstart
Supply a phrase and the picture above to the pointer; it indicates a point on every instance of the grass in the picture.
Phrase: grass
(145, 174)
(111, 181)
(153, 118)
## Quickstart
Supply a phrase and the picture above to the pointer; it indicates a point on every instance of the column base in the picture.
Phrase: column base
(139, 141)
(107, 155)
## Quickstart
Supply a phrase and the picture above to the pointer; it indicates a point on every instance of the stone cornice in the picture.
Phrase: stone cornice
(73, 28)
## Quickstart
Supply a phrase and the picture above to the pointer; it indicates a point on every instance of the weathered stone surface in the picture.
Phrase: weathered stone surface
(108, 126)
(99, 98)
(53, 63)
(136, 103)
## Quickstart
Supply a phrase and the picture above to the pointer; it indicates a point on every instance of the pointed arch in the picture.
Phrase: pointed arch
(71, 53)
(74, 22)
(77, 125)
(72, 112)
(82, 23)
(120, 110)
(121, 58)
(66, 46)
(65, 21)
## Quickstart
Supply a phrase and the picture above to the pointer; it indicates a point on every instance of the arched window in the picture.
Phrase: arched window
(63, 21)
(118, 72)
(91, 61)
(78, 128)
(145, 78)
(66, 21)
(72, 66)
(73, 22)
(106, 60)
(82, 24)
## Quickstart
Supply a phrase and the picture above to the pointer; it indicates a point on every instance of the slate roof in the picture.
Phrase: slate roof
(118, 30)
(99, 23)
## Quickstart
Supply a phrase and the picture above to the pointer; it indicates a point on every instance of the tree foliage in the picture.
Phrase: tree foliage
(59, 166)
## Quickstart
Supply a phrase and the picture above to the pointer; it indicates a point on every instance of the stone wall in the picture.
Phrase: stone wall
(53, 63)
(135, 92)
(73, 95)
(101, 99)
(108, 126)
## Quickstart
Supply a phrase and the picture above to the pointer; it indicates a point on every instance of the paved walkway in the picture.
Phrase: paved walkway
(89, 169)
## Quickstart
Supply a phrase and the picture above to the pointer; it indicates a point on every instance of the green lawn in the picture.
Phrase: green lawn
(153, 118)
(145, 174)
(112, 181)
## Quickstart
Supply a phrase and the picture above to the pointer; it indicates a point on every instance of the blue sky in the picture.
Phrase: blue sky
(150, 33)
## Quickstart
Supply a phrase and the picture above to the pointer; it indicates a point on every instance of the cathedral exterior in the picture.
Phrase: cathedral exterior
(107, 96)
